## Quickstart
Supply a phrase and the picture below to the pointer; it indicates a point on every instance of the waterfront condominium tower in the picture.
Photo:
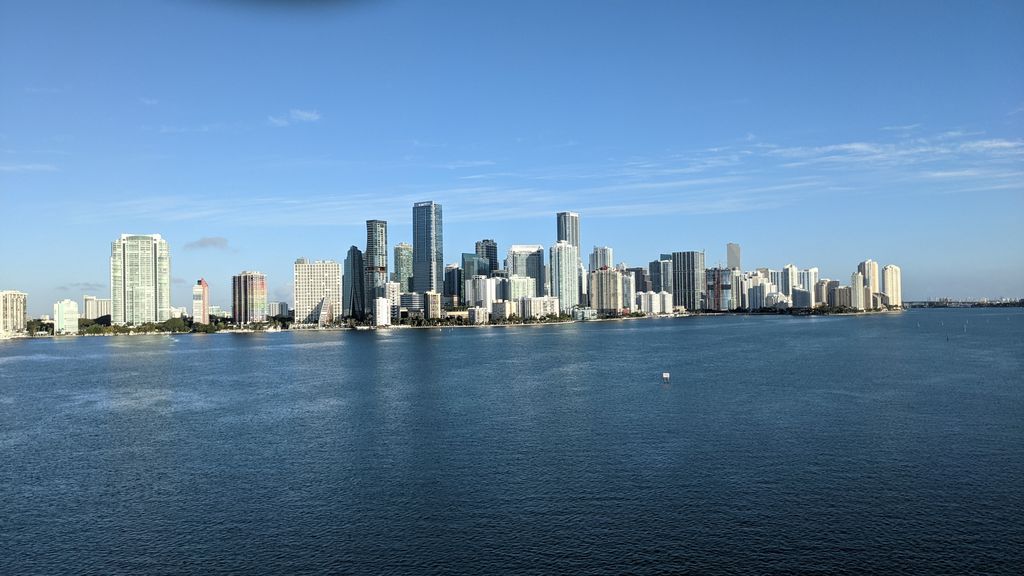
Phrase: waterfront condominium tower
(317, 292)
(488, 249)
(892, 285)
(869, 269)
(688, 279)
(732, 251)
(527, 260)
(403, 266)
(93, 307)
(375, 260)
(249, 297)
(353, 301)
(140, 279)
(427, 248)
(565, 275)
(601, 257)
(13, 312)
(201, 302)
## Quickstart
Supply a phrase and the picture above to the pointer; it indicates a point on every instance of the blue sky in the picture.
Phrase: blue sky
(814, 133)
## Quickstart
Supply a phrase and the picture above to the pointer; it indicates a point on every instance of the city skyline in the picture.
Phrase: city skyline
(817, 135)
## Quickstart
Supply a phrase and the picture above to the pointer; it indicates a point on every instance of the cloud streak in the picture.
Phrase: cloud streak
(208, 243)
(28, 168)
(294, 116)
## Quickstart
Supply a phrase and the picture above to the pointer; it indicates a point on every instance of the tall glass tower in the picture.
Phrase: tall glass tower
(427, 247)
(375, 260)
(403, 266)
(353, 304)
(488, 249)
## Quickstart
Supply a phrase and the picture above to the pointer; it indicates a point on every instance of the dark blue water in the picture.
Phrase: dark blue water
(883, 444)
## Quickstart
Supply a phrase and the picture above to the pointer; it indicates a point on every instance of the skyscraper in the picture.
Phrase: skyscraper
(688, 280)
(353, 300)
(733, 256)
(488, 248)
(427, 247)
(140, 279)
(661, 275)
(790, 279)
(317, 291)
(569, 228)
(249, 297)
(453, 284)
(200, 302)
(527, 260)
(403, 266)
(892, 285)
(869, 268)
(375, 260)
(601, 257)
(564, 275)
(857, 291)
(606, 291)
(13, 312)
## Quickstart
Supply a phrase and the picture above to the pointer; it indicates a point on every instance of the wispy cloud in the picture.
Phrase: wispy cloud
(901, 127)
(295, 115)
(83, 287)
(149, 101)
(28, 168)
(459, 164)
(208, 242)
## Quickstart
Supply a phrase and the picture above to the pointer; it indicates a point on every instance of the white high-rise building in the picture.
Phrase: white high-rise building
(892, 285)
(628, 292)
(857, 290)
(65, 317)
(565, 282)
(789, 279)
(869, 269)
(140, 279)
(13, 312)
(94, 307)
(381, 312)
(317, 292)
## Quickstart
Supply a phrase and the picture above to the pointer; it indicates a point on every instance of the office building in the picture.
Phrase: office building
(427, 247)
(248, 298)
(892, 285)
(733, 256)
(353, 299)
(403, 266)
(472, 265)
(488, 249)
(453, 284)
(93, 307)
(317, 292)
(527, 260)
(661, 275)
(65, 317)
(641, 278)
(140, 279)
(201, 302)
(565, 275)
(688, 279)
(568, 228)
(520, 287)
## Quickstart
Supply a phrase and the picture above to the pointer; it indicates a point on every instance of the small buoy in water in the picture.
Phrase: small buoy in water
(665, 376)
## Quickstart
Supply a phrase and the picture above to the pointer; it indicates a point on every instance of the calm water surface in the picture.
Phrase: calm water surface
(883, 444)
